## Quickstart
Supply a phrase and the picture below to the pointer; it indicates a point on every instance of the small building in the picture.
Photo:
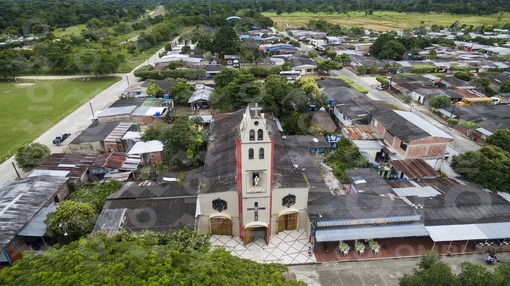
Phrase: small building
(304, 65)
(91, 141)
(73, 167)
(114, 165)
(200, 97)
(212, 70)
(150, 152)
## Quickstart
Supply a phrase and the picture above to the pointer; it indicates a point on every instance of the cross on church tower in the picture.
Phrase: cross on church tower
(256, 110)
(256, 209)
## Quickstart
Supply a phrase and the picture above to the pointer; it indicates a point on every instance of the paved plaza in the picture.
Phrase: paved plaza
(288, 247)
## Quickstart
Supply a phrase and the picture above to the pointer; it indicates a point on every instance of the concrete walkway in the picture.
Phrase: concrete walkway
(287, 247)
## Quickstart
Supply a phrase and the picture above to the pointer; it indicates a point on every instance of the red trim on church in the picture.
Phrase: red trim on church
(268, 234)
(239, 161)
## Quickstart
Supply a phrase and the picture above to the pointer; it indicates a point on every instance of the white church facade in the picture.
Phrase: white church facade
(250, 188)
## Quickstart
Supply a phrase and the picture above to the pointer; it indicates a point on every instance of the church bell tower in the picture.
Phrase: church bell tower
(254, 176)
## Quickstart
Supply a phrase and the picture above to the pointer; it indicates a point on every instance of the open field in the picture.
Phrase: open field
(29, 108)
(384, 21)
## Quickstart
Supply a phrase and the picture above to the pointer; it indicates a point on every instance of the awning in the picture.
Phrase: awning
(371, 232)
(36, 227)
(481, 231)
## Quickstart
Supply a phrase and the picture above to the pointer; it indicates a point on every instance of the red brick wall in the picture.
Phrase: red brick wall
(156, 157)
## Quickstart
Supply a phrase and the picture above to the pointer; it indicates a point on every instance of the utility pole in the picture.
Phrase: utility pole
(16, 170)
(92, 110)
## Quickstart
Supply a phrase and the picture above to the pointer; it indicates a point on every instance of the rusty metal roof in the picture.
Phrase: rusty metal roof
(414, 168)
(360, 132)
(118, 132)
(74, 164)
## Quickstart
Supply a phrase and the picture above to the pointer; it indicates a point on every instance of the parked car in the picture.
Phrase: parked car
(60, 138)
(379, 87)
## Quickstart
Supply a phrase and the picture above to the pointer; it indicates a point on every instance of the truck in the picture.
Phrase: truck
(60, 138)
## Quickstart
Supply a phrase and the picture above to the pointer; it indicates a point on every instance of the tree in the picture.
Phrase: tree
(226, 76)
(225, 41)
(485, 84)
(505, 87)
(312, 54)
(30, 156)
(383, 80)
(470, 126)
(463, 75)
(182, 91)
(439, 101)
(393, 50)
(327, 66)
(309, 86)
(183, 141)
(345, 157)
(96, 194)
(154, 90)
(500, 138)
(362, 70)
(488, 167)
(72, 219)
(181, 258)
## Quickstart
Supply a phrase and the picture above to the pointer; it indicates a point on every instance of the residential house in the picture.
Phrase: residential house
(113, 165)
(91, 140)
(409, 136)
(73, 167)
(304, 65)
(150, 152)
(200, 97)
(455, 83)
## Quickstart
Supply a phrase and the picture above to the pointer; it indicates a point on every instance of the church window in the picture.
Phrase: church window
(261, 153)
(288, 200)
(252, 135)
(260, 135)
(219, 205)
(250, 153)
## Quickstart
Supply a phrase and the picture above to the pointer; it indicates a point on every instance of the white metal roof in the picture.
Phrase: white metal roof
(369, 232)
(147, 147)
(367, 144)
(469, 231)
(53, 173)
(113, 111)
(484, 131)
(422, 192)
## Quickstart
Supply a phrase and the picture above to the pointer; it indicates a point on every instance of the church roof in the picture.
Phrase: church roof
(220, 161)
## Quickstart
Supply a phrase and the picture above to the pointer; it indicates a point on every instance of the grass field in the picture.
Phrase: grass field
(384, 21)
(28, 109)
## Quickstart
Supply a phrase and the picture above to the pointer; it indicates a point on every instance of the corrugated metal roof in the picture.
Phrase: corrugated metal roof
(414, 168)
(371, 232)
(423, 192)
(118, 132)
(455, 232)
(360, 133)
(36, 227)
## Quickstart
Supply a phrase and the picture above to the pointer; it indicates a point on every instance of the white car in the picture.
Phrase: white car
(379, 87)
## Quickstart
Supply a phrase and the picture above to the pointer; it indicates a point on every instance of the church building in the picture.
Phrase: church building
(250, 188)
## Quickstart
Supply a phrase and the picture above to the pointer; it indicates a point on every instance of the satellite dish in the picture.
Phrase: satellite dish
(233, 17)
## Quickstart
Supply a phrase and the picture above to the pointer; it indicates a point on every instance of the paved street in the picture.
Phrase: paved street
(383, 272)
(80, 118)
(461, 143)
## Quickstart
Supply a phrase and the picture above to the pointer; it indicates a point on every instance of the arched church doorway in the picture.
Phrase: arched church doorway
(288, 220)
(254, 231)
(221, 224)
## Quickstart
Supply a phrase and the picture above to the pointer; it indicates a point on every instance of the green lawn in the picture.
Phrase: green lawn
(385, 20)
(29, 109)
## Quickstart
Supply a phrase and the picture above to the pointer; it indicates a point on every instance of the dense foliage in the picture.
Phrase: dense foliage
(439, 101)
(432, 271)
(71, 220)
(345, 157)
(96, 194)
(182, 258)
(501, 139)
(30, 156)
(488, 167)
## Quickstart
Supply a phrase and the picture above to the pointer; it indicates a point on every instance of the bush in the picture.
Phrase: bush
(186, 73)
(262, 71)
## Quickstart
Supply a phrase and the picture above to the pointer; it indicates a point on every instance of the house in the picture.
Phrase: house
(488, 117)
(249, 186)
(140, 110)
(304, 65)
(409, 135)
(20, 202)
(73, 167)
(91, 141)
(150, 152)
(163, 206)
(200, 97)
(411, 169)
(351, 107)
(422, 95)
(113, 165)
(212, 70)
(455, 83)
(278, 48)
(231, 60)
(366, 139)
(334, 40)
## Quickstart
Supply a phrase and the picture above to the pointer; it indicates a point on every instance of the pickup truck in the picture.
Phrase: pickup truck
(60, 138)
